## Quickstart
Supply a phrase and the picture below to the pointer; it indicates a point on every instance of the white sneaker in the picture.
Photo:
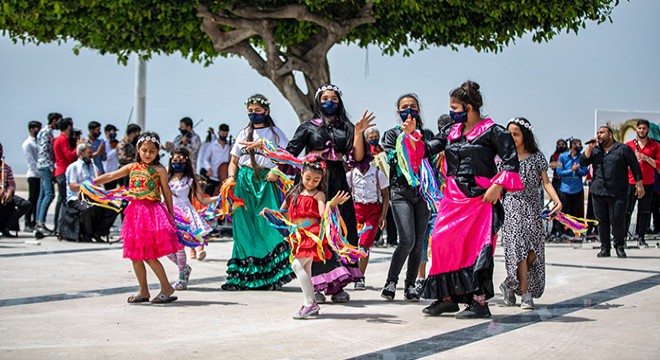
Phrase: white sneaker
(527, 303)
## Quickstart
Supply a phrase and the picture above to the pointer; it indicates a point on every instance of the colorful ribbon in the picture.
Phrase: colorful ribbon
(279, 155)
(416, 169)
(578, 225)
(114, 200)
(333, 229)
(292, 232)
(184, 233)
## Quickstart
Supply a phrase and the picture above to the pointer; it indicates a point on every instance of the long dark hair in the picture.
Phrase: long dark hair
(143, 138)
(342, 117)
(420, 123)
(269, 123)
(529, 140)
(312, 163)
(194, 186)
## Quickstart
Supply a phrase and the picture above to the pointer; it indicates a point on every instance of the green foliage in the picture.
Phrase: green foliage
(147, 27)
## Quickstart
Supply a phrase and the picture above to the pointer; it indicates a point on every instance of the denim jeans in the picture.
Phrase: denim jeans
(411, 215)
(46, 195)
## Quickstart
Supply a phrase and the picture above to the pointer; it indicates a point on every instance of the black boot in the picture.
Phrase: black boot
(621, 253)
(604, 252)
(7, 233)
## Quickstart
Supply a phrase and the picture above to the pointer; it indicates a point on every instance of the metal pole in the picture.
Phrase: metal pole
(140, 91)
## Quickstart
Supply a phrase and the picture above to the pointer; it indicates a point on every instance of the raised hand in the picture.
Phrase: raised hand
(365, 122)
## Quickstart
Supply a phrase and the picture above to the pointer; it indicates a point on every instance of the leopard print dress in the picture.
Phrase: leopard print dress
(522, 231)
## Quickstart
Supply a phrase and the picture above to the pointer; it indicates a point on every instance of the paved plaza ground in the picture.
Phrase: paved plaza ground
(64, 300)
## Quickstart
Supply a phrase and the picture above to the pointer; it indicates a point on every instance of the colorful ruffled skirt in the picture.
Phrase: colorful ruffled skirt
(307, 247)
(260, 256)
(148, 231)
(332, 276)
(198, 226)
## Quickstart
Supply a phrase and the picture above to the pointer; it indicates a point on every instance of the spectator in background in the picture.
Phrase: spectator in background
(112, 162)
(187, 139)
(215, 155)
(126, 149)
(65, 154)
(79, 220)
(372, 135)
(571, 188)
(11, 207)
(98, 145)
(31, 152)
(611, 160)
(46, 168)
(560, 148)
(647, 152)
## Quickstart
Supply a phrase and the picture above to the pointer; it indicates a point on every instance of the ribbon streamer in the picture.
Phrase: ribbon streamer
(577, 225)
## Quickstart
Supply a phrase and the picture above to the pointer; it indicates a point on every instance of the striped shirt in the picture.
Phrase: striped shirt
(9, 183)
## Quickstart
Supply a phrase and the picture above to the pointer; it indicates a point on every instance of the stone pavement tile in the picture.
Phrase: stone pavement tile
(77, 309)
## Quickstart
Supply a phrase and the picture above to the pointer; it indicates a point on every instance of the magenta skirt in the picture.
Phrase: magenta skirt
(148, 231)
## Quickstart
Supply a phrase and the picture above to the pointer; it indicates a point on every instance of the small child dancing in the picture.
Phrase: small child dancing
(148, 230)
(184, 186)
(306, 202)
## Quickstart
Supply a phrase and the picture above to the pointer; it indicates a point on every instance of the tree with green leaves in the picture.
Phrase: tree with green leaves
(279, 38)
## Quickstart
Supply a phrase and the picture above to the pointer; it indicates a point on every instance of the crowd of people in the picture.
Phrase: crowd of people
(440, 197)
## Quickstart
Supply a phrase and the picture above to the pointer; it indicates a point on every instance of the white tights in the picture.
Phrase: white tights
(303, 269)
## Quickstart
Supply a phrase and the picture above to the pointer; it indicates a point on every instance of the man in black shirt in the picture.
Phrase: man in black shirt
(611, 160)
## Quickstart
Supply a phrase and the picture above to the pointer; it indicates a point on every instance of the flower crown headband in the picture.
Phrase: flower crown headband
(315, 162)
(153, 139)
(327, 87)
(521, 122)
(257, 100)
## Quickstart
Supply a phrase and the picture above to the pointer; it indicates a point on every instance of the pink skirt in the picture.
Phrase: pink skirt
(148, 231)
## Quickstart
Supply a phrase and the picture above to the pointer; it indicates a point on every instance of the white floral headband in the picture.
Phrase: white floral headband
(327, 87)
(522, 122)
(153, 139)
(257, 100)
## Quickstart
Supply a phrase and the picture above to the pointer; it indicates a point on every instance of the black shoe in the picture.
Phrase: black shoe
(38, 234)
(642, 243)
(7, 233)
(620, 253)
(388, 291)
(438, 307)
(474, 311)
(603, 253)
(410, 294)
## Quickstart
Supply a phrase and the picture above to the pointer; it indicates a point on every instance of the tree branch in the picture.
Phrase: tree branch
(294, 11)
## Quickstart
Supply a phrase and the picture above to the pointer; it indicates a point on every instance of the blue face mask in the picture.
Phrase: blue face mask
(178, 167)
(87, 161)
(373, 142)
(459, 117)
(224, 138)
(257, 118)
(578, 149)
(330, 107)
(412, 112)
(112, 136)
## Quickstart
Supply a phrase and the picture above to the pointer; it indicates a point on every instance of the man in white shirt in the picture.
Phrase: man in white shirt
(31, 152)
(81, 220)
(216, 154)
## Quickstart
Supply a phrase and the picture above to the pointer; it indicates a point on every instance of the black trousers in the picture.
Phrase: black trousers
(592, 229)
(610, 212)
(34, 187)
(643, 209)
(61, 197)
(557, 227)
(81, 221)
(573, 204)
(411, 216)
(655, 211)
(12, 211)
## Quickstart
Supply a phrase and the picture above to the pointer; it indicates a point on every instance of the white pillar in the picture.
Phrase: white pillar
(140, 91)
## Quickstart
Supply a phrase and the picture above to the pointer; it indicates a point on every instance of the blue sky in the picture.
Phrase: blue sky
(556, 85)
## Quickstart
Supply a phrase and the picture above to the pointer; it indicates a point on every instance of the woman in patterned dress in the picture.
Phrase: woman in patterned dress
(522, 231)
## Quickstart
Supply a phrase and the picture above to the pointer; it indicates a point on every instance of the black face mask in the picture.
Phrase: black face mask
(134, 141)
(184, 132)
(87, 161)
(561, 149)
